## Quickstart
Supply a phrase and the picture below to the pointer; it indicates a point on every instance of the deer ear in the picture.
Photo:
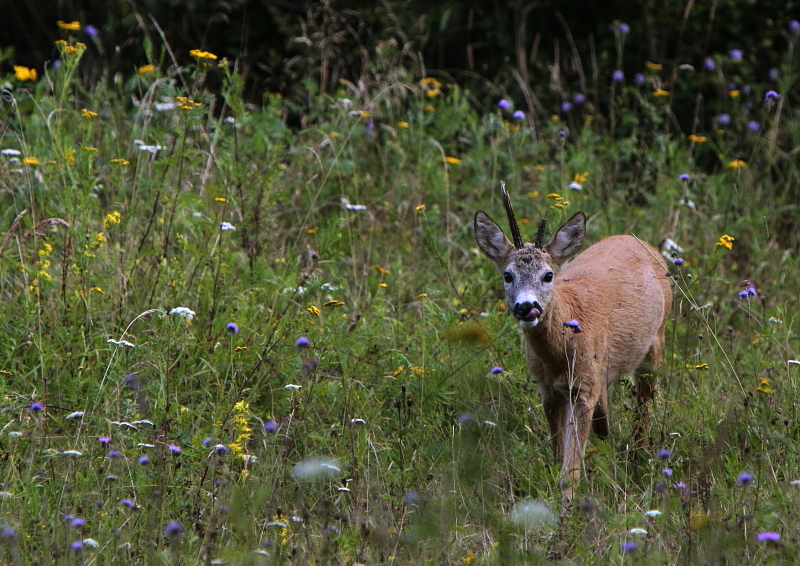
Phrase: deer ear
(569, 238)
(491, 239)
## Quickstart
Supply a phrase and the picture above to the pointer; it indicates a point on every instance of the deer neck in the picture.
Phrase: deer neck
(547, 338)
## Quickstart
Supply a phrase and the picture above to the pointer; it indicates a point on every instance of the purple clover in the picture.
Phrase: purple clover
(104, 440)
(794, 27)
(579, 98)
(143, 460)
(723, 120)
(504, 104)
(302, 343)
(618, 76)
(566, 106)
(753, 126)
(678, 261)
(78, 522)
(684, 177)
(667, 472)
(744, 479)
(496, 370)
(174, 448)
(232, 328)
(173, 529)
(76, 545)
(574, 325)
(768, 537)
(736, 54)
(36, 406)
(771, 96)
(639, 79)
(114, 454)
(709, 64)
(270, 426)
(518, 115)
(664, 454)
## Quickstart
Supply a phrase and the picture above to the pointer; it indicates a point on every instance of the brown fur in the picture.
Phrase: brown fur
(619, 293)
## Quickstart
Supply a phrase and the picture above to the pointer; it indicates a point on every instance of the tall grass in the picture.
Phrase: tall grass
(225, 340)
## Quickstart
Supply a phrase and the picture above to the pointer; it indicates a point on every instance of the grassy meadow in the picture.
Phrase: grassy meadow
(264, 334)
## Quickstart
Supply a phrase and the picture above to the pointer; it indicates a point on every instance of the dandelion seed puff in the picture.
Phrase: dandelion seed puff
(532, 514)
(317, 468)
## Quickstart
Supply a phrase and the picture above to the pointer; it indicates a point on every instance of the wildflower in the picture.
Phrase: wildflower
(313, 309)
(496, 370)
(25, 74)
(653, 513)
(8, 535)
(638, 79)
(637, 531)
(726, 241)
(36, 406)
(579, 99)
(768, 537)
(518, 115)
(78, 522)
(270, 426)
(753, 126)
(69, 26)
(736, 54)
(188, 314)
(658, 93)
(794, 27)
(127, 503)
(220, 449)
(629, 547)
(749, 290)
(574, 325)
(763, 386)
(566, 106)
(402, 125)
(30, 161)
(174, 448)
(723, 119)
(206, 442)
(664, 453)
(678, 261)
(701, 367)
(114, 454)
(232, 328)
(202, 55)
(429, 108)
(226, 226)
(503, 104)
(91, 31)
(684, 177)
(624, 29)
(617, 76)
(744, 480)
(119, 161)
(302, 343)
(76, 545)
(452, 160)
(771, 95)
(735, 164)
(667, 472)
(696, 139)
(104, 440)
(173, 529)
(112, 219)
(10, 151)
(773, 75)
(734, 93)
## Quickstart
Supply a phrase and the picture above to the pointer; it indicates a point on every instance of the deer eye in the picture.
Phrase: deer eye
(507, 277)
(548, 277)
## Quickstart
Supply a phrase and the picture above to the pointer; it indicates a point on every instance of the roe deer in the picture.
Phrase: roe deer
(586, 323)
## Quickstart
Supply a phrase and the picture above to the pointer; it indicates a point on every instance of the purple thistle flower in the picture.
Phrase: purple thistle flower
(709, 64)
(104, 440)
(174, 448)
(745, 479)
(664, 454)
(270, 426)
(173, 529)
(128, 503)
(114, 454)
(736, 54)
(232, 328)
(618, 76)
(496, 370)
(771, 95)
(684, 177)
(579, 99)
(574, 325)
(302, 343)
(723, 119)
(566, 106)
(768, 537)
(36, 406)
(68, 517)
(753, 126)
(624, 29)
(220, 449)
(518, 115)
(91, 31)
(678, 261)
(794, 27)
(76, 545)
(143, 460)
(639, 79)
(206, 442)
(562, 133)
(667, 472)
(332, 529)
(629, 547)
(78, 522)
(503, 104)
(8, 535)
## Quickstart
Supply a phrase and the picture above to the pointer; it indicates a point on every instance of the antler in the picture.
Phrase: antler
(540, 233)
(512, 220)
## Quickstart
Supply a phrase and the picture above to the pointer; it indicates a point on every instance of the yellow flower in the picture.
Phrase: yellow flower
(379, 269)
(383, 284)
(197, 54)
(420, 208)
(25, 74)
(422, 296)
(30, 161)
(734, 94)
(763, 386)
(90, 149)
(334, 303)
(555, 196)
(430, 82)
(220, 199)
(364, 114)
(653, 66)
(144, 69)
(429, 108)
(432, 92)
(452, 160)
(97, 290)
(88, 113)
(333, 135)
(580, 177)
(111, 219)
(313, 310)
(701, 366)
(100, 238)
(726, 241)
(735, 164)
(120, 161)
(69, 26)
(696, 139)
(533, 194)
(660, 92)
(402, 125)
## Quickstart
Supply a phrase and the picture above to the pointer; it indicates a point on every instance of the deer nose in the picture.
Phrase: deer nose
(527, 310)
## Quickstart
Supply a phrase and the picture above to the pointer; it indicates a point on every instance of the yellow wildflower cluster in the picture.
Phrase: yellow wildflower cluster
(69, 26)
(98, 240)
(380, 269)
(696, 139)
(25, 74)
(88, 113)
(733, 94)
(726, 241)
(432, 86)
(145, 69)
(736, 164)
(120, 161)
(185, 103)
(660, 92)
(30, 161)
(68, 49)
(580, 177)
(653, 66)
(763, 386)
(112, 219)
(203, 57)
(452, 160)
(429, 108)
(42, 265)
(402, 125)
(241, 428)
(333, 303)
(313, 310)
(701, 366)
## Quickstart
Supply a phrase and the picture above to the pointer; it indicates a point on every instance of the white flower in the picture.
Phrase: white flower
(342, 489)
(359, 421)
(164, 106)
(345, 102)
(637, 531)
(151, 148)
(489, 423)
(184, 312)
(226, 226)
(653, 513)
(575, 186)
(292, 386)
(125, 424)
(278, 524)
(143, 421)
(248, 459)
(349, 206)
(120, 343)
(15, 434)
(91, 542)
(793, 362)
(75, 415)
(73, 453)
(230, 120)
(145, 445)
(9, 151)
